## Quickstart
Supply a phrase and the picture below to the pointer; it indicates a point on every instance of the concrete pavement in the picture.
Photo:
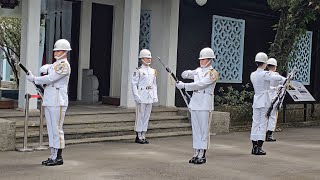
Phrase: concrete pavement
(296, 155)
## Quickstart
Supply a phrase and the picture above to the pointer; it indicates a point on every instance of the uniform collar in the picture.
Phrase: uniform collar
(206, 68)
(259, 69)
(144, 66)
(60, 60)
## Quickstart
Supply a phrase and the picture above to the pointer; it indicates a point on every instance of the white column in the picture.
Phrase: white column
(131, 32)
(170, 46)
(29, 52)
(84, 42)
(117, 45)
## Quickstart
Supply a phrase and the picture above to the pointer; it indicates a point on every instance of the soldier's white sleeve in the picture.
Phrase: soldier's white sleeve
(203, 83)
(188, 74)
(274, 77)
(60, 70)
(155, 90)
(135, 82)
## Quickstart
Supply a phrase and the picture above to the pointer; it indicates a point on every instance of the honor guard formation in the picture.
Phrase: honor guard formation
(266, 84)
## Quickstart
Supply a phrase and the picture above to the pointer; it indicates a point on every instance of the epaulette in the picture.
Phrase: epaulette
(62, 68)
(214, 76)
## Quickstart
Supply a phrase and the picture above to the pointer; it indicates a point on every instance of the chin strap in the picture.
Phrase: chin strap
(206, 64)
(59, 57)
(145, 62)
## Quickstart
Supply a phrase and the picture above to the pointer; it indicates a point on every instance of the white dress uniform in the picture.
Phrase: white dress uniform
(201, 103)
(55, 100)
(261, 101)
(272, 122)
(144, 88)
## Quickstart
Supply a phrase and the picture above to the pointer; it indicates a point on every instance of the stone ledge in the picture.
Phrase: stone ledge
(7, 135)
(220, 122)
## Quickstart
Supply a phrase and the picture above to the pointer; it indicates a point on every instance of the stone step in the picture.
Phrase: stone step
(99, 121)
(33, 136)
(127, 138)
(91, 111)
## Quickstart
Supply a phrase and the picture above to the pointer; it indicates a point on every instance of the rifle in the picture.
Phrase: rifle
(39, 88)
(280, 95)
(186, 97)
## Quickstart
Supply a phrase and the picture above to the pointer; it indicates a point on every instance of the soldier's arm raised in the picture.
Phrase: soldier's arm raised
(209, 79)
(61, 70)
(188, 74)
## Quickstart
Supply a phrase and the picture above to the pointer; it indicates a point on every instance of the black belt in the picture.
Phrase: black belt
(147, 88)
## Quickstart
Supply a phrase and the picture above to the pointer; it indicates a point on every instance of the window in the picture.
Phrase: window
(228, 44)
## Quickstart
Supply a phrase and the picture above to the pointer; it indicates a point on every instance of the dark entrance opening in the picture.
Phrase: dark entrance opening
(101, 44)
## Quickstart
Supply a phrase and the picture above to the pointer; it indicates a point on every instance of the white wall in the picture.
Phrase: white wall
(164, 38)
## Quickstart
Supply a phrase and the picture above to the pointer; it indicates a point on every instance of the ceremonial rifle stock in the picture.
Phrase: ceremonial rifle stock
(39, 88)
(280, 95)
(290, 76)
(186, 97)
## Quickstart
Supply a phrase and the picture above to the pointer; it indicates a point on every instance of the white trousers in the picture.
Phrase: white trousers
(272, 122)
(55, 119)
(259, 124)
(143, 112)
(200, 129)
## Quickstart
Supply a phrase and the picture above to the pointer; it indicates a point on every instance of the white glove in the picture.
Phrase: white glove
(279, 87)
(44, 68)
(30, 76)
(180, 85)
(187, 73)
(155, 99)
(138, 100)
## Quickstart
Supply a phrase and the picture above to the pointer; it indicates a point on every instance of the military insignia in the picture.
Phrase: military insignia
(214, 76)
(62, 68)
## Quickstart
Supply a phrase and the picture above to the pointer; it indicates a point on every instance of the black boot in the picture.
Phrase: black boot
(46, 161)
(139, 141)
(59, 156)
(145, 141)
(201, 160)
(269, 136)
(54, 162)
(259, 150)
(192, 160)
(254, 147)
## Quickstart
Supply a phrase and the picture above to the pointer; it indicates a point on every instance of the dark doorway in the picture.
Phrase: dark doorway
(74, 54)
(101, 44)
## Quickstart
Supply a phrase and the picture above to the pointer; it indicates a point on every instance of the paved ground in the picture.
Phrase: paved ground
(296, 155)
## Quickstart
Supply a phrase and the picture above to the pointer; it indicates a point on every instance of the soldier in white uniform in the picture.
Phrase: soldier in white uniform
(144, 88)
(201, 103)
(274, 87)
(55, 100)
(261, 102)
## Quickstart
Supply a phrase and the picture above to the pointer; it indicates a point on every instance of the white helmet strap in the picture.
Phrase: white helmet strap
(145, 62)
(59, 57)
(203, 66)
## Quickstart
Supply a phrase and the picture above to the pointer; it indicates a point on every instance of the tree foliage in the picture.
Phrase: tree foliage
(294, 18)
(10, 40)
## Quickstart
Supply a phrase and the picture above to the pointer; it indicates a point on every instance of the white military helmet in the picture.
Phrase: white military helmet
(62, 45)
(207, 53)
(272, 61)
(145, 53)
(261, 57)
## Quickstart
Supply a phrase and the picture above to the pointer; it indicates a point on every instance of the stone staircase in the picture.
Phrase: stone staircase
(108, 125)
